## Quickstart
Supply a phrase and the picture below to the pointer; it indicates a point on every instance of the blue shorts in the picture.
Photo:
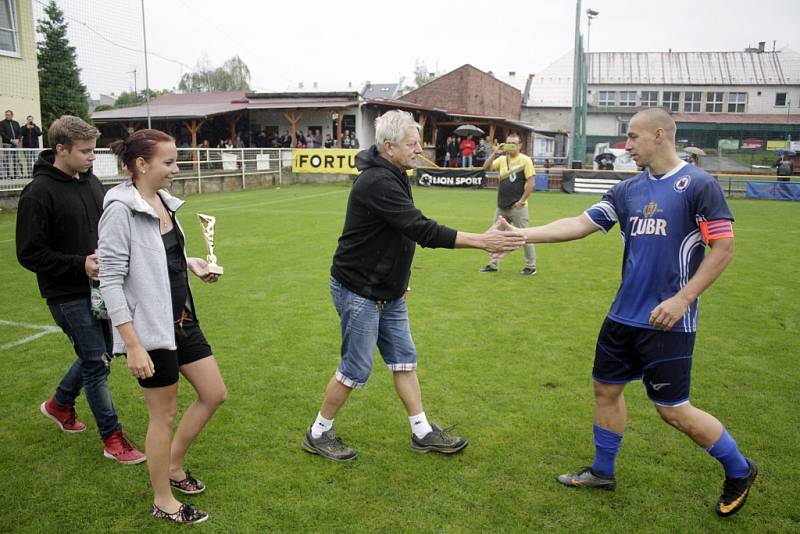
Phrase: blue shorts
(366, 324)
(663, 360)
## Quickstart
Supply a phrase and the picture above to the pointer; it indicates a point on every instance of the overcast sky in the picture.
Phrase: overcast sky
(333, 43)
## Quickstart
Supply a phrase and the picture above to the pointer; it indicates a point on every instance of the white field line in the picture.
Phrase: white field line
(43, 331)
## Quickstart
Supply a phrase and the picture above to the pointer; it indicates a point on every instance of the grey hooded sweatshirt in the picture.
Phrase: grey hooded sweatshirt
(134, 278)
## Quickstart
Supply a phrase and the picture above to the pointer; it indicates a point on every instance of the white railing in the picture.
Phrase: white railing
(198, 164)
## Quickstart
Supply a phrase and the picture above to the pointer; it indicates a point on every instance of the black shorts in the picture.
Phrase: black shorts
(663, 360)
(192, 346)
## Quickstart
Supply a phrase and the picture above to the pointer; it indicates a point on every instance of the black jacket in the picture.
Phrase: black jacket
(381, 227)
(57, 228)
(9, 129)
(30, 136)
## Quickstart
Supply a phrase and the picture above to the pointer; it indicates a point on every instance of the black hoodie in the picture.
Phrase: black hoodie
(381, 227)
(57, 228)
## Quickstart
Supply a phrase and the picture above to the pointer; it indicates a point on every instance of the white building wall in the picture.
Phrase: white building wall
(760, 99)
(548, 119)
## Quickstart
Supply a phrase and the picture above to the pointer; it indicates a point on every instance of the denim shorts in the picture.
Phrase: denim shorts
(366, 324)
(662, 360)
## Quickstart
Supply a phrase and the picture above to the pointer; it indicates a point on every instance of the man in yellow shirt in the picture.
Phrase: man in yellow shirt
(516, 184)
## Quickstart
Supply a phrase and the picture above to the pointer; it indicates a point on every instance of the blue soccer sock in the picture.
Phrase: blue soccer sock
(727, 453)
(606, 448)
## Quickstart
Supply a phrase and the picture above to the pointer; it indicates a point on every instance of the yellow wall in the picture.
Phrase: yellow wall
(19, 79)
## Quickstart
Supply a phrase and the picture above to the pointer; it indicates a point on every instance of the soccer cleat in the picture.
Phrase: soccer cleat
(329, 446)
(489, 269)
(119, 448)
(527, 271)
(185, 515)
(64, 416)
(189, 485)
(585, 478)
(438, 440)
(735, 492)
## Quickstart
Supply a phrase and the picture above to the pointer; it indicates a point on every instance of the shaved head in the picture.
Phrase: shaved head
(654, 118)
(651, 140)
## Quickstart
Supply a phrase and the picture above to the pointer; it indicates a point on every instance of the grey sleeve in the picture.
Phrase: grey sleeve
(114, 248)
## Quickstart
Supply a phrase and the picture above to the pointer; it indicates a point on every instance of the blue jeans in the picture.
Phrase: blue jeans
(92, 341)
(466, 161)
(365, 324)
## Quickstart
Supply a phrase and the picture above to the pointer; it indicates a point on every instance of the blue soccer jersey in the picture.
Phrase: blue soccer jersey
(660, 220)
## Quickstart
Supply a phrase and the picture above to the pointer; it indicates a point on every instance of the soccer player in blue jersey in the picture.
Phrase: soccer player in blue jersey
(667, 215)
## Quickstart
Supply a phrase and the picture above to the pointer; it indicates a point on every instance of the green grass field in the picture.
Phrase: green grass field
(507, 358)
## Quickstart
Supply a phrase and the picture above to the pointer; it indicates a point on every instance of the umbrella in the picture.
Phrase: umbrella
(468, 129)
(695, 150)
(605, 155)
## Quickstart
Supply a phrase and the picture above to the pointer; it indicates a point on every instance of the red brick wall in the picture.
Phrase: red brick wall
(470, 91)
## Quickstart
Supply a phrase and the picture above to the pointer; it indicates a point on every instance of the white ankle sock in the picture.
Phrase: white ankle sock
(320, 425)
(420, 425)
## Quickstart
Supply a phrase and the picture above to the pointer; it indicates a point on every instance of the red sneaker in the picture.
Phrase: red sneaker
(64, 416)
(119, 448)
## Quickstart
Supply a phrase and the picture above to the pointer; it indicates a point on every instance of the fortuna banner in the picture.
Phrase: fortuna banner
(450, 177)
(325, 160)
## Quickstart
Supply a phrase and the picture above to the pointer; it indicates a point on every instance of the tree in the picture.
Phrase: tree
(60, 89)
(422, 75)
(233, 75)
(127, 99)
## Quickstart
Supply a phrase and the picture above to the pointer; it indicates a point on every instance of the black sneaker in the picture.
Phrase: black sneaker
(329, 446)
(735, 492)
(489, 269)
(527, 271)
(438, 440)
(585, 478)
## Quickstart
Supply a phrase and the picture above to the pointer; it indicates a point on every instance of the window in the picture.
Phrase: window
(780, 100)
(736, 102)
(691, 101)
(649, 99)
(623, 127)
(627, 98)
(8, 29)
(607, 98)
(672, 100)
(714, 102)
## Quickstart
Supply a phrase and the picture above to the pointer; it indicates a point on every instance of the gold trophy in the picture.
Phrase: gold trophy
(207, 223)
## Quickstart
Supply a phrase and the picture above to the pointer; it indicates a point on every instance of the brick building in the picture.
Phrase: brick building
(470, 91)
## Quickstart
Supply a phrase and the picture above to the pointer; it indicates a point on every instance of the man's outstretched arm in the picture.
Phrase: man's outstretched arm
(567, 229)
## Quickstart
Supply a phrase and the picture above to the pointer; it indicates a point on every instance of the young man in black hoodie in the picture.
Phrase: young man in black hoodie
(369, 281)
(56, 238)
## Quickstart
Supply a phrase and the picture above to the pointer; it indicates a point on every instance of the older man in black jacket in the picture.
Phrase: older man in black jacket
(369, 279)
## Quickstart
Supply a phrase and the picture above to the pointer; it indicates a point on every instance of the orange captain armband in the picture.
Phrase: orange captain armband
(716, 229)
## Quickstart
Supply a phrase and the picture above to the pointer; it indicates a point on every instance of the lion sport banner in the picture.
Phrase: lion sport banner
(450, 177)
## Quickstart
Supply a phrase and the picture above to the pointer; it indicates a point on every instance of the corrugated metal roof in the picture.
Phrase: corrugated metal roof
(180, 106)
(694, 68)
(552, 87)
(200, 105)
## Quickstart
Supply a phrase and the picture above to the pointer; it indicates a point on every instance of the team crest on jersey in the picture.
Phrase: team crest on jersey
(650, 209)
(682, 183)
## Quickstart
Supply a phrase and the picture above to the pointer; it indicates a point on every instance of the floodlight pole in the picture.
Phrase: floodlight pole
(578, 92)
(146, 70)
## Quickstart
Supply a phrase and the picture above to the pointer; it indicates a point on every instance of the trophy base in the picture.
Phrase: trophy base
(213, 268)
